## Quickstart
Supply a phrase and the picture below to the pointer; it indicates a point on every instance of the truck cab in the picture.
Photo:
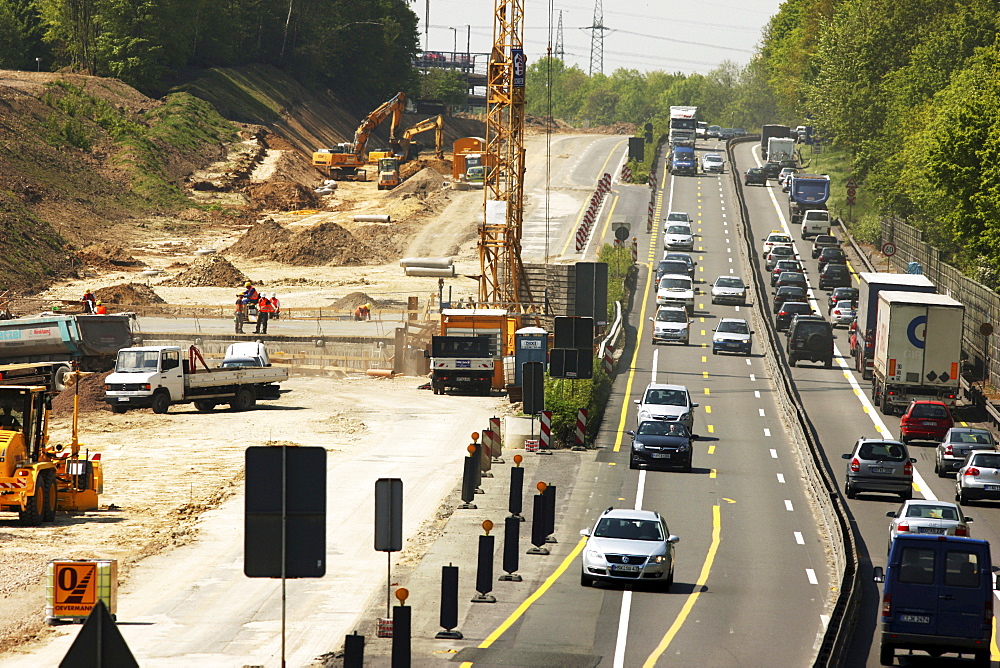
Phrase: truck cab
(140, 373)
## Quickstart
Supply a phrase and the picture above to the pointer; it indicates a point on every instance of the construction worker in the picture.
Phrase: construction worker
(277, 306)
(240, 316)
(100, 308)
(251, 293)
(88, 300)
(366, 311)
(264, 310)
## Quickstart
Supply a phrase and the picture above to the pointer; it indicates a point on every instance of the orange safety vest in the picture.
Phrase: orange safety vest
(101, 310)
(264, 305)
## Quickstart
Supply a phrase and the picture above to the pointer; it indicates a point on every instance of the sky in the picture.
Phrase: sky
(688, 37)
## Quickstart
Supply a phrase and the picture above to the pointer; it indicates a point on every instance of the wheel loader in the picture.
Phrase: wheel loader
(37, 478)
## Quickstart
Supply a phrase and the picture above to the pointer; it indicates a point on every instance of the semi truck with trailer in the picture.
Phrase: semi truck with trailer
(806, 192)
(864, 334)
(918, 349)
(768, 131)
(683, 126)
(159, 377)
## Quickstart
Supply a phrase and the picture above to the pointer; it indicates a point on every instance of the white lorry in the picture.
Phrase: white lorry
(918, 349)
(780, 148)
(683, 126)
(159, 377)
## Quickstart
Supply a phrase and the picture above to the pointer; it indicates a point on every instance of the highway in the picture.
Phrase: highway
(752, 579)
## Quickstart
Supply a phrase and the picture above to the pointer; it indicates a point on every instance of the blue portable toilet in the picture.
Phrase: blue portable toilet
(531, 344)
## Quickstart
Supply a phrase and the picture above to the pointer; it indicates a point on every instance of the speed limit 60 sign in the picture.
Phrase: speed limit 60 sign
(888, 249)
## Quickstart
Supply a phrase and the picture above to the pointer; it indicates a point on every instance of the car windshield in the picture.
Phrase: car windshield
(626, 529)
(890, 452)
(666, 397)
(933, 411)
(729, 282)
(679, 257)
(712, 158)
(677, 215)
(678, 229)
(733, 327)
(933, 512)
(987, 461)
(779, 239)
(137, 361)
(660, 428)
(672, 315)
(672, 283)
(983, 437)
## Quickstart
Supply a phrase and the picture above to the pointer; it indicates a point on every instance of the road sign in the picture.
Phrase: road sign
(888, 249)
(851, 191)
(621, 230)
(851, 183)
(520, 62)
(986, 329)
(850, 201)
(74, 587)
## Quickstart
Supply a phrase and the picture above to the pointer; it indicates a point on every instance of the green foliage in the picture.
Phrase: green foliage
(444, 86)
(564, 396)
(620, 265)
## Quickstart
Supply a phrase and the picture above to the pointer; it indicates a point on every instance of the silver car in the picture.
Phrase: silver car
(712, 162)
(667, 402)
(957, 444)
(678, 236)
(942, 518)
(628, 546)
(878, 465)
(843, 314)
(671, 323)
(979, 477)
(729, 290)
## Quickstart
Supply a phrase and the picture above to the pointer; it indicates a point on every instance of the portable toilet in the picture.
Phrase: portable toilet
(530, 345)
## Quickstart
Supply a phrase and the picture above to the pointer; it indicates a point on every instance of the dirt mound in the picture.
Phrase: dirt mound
(106, 256)
(281, 196)
(355, 299)
(91, 395)
(213, 271)
(410, 168)
(129, 294)
(425, 182)
(325, 243)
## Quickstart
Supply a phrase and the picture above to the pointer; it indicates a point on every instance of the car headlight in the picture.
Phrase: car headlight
(685, 416)
(594, 554)
(684, 448)
(638, 446)
(643, 415)
(659, 559)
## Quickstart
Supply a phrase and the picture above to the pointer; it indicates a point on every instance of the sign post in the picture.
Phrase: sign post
(852, 190)
(888, 249)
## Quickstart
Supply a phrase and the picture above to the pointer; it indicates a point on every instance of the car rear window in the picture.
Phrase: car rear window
(987, 461)
(933, 411)
(974, 437)
(932, 512)
(961, 569)
(916, 565)
(890, 452)
(805, 328)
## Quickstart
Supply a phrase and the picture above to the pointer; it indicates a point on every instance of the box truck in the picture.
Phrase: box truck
(863, 331)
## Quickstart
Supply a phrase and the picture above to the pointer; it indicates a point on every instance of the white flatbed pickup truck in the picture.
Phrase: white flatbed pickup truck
(159, 377)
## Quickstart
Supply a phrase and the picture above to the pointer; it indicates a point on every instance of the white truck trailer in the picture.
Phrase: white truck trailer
(780, 148)
(918, 349)
(159, 377)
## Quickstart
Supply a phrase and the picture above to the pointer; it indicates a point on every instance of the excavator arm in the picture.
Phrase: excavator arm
(436, 123)
(394, 107)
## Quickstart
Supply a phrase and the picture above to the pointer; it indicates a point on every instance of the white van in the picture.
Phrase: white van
(814, 222)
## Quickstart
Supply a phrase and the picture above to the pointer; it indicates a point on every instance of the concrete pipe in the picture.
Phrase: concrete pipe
(372, 219)
(205, 251)
(430, 271)
(379, 373)
(436, 262)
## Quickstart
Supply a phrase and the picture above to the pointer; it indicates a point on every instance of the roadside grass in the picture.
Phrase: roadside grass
(861, 218)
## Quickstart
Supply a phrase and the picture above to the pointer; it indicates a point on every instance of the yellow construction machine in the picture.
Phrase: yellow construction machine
(37, 478)
(402, 147)
(346, 160)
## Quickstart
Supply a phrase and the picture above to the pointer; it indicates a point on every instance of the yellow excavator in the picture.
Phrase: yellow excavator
(37, 478)
(388, 167)
(347, 160)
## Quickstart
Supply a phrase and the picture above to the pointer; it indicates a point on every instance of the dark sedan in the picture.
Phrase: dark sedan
(834, 276)
(850, 294)
(659, 444)
(791, 278)
(788, 311)
(754, 176)
(789, 293)
(831, 255)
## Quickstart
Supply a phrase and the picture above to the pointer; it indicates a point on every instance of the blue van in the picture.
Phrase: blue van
(683, 161)
(937, 597)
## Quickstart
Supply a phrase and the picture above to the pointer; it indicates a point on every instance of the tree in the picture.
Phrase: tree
(444, 86)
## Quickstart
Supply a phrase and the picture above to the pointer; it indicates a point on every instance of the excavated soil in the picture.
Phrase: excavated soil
(353, 300)
(412, 167)
(105, 256)
(213, 271)
(91, 393)
(129, 294)
(281, 196)
(326, 243)
(424, 183)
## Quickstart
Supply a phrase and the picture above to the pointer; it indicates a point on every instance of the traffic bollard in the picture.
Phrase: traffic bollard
(449, 603)
(497, 447)
(401, 631)
(515, 502)
(471, 466)
(354, 651)
(549, 494)
(478, 456)
(511, 529)
(484, 569)
(538, 521)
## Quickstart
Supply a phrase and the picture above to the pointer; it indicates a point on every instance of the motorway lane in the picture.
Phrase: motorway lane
(838, 403)
(755, 592)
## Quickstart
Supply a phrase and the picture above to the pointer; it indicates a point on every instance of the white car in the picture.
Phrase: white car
(775, 238)
(940, 518)
(628, 546)
(671, 403)
(676, 290)
(678, 236)
(671, 323)
(677, 217)
(712, 162)
(729, 290)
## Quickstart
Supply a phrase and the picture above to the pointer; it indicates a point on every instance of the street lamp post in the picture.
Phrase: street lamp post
(454, 45)
(38, 64)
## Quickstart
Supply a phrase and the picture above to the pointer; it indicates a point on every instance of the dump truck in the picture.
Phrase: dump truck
(863, 334)
(388, 173)
(497, 325)
(918, 349)
(159, 377)
(38, 478)
(806, 192)
(464, 362)
(91, 342)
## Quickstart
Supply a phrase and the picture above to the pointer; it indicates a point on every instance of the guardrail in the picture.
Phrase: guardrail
(831, 505)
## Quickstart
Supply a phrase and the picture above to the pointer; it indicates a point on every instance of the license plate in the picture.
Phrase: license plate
(879, 469)
(930, 530)
(625, 568)
(929, 423)
(659, 455)
(915, 619)
(122, 398)
(992, 488)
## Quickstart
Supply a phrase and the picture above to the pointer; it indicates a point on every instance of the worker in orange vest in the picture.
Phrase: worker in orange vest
(264, 311)
(240, 315)
(277, 306)
(101, 309)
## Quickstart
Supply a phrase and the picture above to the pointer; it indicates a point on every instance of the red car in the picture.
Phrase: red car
(925, 421)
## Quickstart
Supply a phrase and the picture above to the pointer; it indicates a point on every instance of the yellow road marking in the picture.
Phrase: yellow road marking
(706, 568)
(711, 429)
(703, 359)
(635, 358)
(711, 449)
(703, 332)
(521, 609)
(708, 409)
(712, 474)
(707, 392)
(583, 210)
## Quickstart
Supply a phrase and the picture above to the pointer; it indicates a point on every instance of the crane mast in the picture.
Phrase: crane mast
(502, 272)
